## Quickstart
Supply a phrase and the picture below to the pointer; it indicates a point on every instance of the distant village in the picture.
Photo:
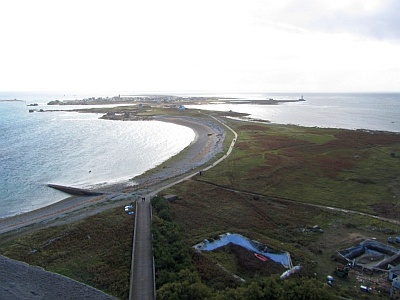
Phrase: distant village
(168, 99)
(121, 99)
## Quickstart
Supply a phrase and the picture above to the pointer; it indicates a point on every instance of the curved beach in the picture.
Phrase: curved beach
(208, 142)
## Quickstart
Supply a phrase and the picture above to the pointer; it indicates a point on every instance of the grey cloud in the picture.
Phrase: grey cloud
(313, 15)
(382, 24)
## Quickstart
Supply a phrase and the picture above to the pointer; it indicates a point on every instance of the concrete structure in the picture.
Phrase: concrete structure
(396, 283)
(394, 273)
(170, 198)
(370, 255)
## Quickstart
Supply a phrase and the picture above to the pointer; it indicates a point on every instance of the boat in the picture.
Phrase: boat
(290, 272)
(260, 257)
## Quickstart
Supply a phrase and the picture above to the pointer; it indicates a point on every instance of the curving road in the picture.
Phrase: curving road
(142, 269)
(142, 284)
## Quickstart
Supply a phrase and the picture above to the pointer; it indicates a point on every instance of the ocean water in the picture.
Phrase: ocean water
(80, 150)
(373, 111)
(74, 149)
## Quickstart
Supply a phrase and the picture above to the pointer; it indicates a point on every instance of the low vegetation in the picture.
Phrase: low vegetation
(274, 188)
(182, 273)
(96, 250)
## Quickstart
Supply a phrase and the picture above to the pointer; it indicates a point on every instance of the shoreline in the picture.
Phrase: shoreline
(209, 138)
(92, 206)
(207, 143)
(201, 127)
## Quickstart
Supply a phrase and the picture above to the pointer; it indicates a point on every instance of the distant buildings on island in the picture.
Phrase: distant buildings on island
(127, 99)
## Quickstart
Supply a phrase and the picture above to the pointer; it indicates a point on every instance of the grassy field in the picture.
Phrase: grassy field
(346, 169)
(267, 190)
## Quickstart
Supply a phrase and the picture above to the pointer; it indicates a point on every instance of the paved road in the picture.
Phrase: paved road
(142, 272)
(142, 286)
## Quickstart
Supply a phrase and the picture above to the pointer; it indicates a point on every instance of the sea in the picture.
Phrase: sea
(371, 111)
(81, 150)
(73, 149)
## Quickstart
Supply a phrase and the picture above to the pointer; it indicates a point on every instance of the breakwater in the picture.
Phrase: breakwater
(75, 191)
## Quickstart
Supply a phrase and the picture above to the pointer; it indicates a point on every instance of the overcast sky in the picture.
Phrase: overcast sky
(248, 45)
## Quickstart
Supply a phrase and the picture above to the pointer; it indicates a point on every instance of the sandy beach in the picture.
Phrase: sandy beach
(208, 142)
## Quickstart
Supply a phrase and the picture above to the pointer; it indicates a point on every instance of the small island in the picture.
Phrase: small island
(13, 100)
(168, 100)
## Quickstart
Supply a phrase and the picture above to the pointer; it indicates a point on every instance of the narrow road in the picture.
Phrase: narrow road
(142, 285)
(142, 272)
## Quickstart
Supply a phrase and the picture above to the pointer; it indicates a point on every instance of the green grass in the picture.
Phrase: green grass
(311, 165)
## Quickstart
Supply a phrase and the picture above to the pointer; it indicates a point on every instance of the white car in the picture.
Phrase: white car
(128, 207)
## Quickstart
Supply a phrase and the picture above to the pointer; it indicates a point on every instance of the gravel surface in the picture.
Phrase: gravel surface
(208, 142)
(22, 281)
